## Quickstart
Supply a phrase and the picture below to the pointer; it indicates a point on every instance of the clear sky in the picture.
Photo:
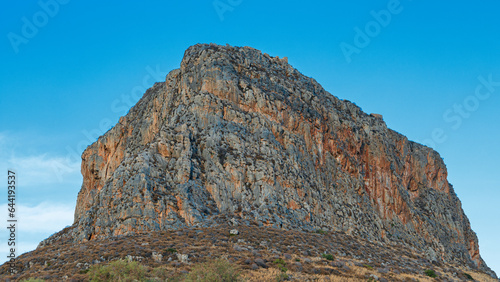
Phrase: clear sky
(70, 69)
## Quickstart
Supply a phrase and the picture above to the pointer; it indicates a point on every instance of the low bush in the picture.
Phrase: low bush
(159, 273)
(281, 264)
(282, 277)
(430, 273)
(171, 250)
(120, 270)
(468, 276)
(327, 256)
(213, 271)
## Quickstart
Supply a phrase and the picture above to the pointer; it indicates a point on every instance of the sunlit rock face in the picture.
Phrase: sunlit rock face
(238, 132)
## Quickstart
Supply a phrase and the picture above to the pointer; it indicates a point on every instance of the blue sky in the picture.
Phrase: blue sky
(69, 70)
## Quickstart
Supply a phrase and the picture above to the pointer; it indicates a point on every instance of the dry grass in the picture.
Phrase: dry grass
(354, 259)
(478, 276)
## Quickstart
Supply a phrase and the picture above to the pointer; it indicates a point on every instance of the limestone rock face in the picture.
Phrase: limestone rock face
(236, 132)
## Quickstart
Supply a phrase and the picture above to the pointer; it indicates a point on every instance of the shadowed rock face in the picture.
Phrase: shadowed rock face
(237, 132)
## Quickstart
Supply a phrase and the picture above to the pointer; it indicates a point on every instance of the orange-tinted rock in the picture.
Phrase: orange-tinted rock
(237, 132)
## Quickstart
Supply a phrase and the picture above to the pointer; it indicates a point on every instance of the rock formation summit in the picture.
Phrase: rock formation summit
(235, 133)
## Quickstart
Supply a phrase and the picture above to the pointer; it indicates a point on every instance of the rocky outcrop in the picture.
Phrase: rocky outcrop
(241, 133)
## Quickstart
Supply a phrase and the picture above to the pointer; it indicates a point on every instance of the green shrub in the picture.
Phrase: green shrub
(32, 280)
(321, 231)
(430, 273)
(468, 276)
(327, 256)
(281, 264)
(297, 259)
(159, 273)
(279, 261)
(282, 277)
(368, 266)
(120, 270)
(171, 250)
(213, 271)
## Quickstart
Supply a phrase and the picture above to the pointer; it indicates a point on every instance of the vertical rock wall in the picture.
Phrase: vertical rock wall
(237, 132)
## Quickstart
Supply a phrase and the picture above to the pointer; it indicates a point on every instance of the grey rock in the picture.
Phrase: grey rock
(257, 254)
(157, 256)
(260, 262)
(234, 222)
(134, 258)
(383, 270)
(298, 266)
(239, 248)
(337, 264)
(182, 257)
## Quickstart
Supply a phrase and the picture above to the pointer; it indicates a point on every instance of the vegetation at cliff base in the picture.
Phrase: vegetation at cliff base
(327, 256)
(213, 271)
(122, 270)
(430, 273)
(119, 270)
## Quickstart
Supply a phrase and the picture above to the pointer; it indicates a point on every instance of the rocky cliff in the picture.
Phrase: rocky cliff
(240, 133)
